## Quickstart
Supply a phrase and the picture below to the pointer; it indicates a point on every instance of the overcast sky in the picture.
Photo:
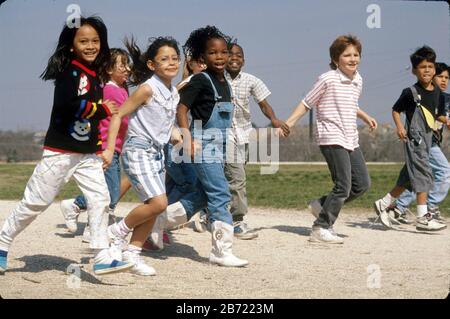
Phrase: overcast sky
(286, 44)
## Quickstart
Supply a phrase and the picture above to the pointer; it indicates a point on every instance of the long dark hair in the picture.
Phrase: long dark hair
(139, 71)
(62, 56)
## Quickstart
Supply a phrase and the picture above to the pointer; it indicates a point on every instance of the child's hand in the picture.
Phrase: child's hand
(372, 124)
(106, 156)
(284, 127)
(448, 123)
(175, 136)
(401, 133)
(280, 133)
(112, 106)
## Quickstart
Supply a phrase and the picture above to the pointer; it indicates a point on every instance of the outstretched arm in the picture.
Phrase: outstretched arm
(270, 114)
(297, 114)
(140, 96)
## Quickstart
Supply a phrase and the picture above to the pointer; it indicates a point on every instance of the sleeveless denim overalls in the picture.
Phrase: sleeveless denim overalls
(212, 186)
(417, 155)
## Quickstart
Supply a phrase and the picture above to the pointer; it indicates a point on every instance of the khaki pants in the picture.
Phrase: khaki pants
(237, 156)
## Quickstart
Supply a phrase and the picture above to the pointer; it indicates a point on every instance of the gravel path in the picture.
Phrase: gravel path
(372, 263)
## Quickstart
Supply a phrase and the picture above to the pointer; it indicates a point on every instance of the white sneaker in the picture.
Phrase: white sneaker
(427, 223)
(381, 210)
(70, 212)
(322, 235)
(140, 267)
(105, 263)
(315, 207)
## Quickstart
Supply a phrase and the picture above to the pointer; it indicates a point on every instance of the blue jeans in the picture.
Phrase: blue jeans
(441, 173)
(212, 193)
(112, 177)
(181, 177)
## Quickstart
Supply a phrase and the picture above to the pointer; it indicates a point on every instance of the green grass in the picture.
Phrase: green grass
(291, 187)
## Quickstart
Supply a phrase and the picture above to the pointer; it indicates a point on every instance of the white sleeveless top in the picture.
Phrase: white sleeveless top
(154, 120)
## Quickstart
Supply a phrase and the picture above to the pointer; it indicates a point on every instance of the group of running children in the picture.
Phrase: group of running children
(191, 143)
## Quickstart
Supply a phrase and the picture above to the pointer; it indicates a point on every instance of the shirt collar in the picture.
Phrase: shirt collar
(162, 87)
(345, 79)
(229, 78)
(84, 68)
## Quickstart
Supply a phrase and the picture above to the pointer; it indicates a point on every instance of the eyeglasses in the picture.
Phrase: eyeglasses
(167, 60)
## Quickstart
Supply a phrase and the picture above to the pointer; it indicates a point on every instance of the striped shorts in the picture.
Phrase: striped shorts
(143, 162)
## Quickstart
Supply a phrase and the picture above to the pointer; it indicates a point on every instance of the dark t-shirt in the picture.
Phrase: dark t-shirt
(445, 101)
(198, 96)
(430, 99)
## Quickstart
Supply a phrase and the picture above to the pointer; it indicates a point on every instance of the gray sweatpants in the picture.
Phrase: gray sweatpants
(350, 177)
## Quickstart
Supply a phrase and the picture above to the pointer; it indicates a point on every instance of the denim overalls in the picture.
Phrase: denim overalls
(212, 186)
(416, 174)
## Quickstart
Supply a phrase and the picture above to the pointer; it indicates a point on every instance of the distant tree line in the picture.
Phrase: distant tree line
(381, 145)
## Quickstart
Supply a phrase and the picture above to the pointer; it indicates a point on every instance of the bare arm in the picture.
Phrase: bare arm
(270, 114)
(183, 123)
(140, 96)
(401, 132)
(370, 121)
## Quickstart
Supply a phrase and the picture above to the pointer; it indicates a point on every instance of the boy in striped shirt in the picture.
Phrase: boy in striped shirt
(335, 96)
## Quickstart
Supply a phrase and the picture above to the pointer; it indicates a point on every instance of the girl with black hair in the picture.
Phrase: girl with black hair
(72, 141)
(208, 97)
(115, 78)
(152, 109)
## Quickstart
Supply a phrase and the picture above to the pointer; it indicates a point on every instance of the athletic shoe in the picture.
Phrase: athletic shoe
(315, 207)
(427, 223)
(323, 235)
(397, 215)
(200, 222)
(150, 246)
(105, 264)
(381, 210)
(3, 257)
(70, 212)
(437, 216)
(242, 231)
(139, 266)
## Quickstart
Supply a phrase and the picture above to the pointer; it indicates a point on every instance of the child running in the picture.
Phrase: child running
(72, 142)
(208, 97)
(335, 96)
(438, 162)
(422, 105)
(115, 76)
(152, 107)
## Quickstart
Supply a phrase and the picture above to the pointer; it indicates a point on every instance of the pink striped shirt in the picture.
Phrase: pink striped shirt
(117, 94)
(335, 97)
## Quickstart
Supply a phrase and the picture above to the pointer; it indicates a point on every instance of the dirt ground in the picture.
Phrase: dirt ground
(372, 263)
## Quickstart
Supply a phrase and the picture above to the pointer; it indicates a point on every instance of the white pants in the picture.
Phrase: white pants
(50, 175)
